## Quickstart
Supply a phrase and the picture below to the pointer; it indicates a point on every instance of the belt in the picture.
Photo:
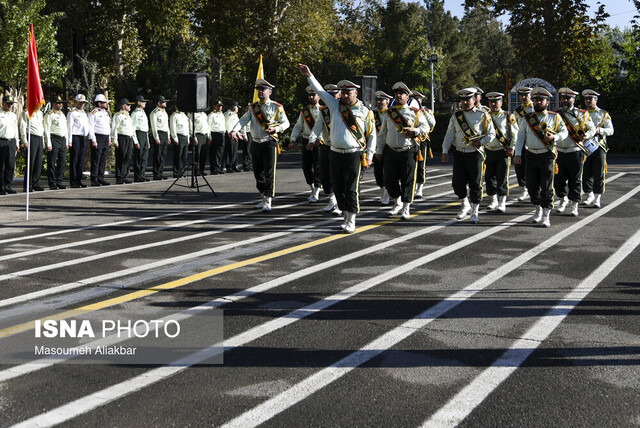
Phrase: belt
(262, 140)
(352, 150)
(537, 151)
(401, 149)
(465, 150)
(569, 150)
(494, 149)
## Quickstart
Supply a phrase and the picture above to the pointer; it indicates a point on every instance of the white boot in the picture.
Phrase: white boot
(351, 223)
(260, 204)
(474, 213)
(574, 209)
(267, 204)
(590, 199)
(562, 205)
(332, 203)
(406, 215)
(502, 205)
(384, 198)
(464, 210)
(596, 203)
(525, 195)
(538, 215)
(546, 222)
(345, 217)
(397, 206)
(315, 194)
(494, 203)
(419, 188)
(311, 192)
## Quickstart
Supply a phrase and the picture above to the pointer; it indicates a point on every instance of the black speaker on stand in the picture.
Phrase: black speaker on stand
(193, 91)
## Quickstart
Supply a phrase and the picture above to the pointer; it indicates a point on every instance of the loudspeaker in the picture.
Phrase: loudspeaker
(193, 92)
(368, 88)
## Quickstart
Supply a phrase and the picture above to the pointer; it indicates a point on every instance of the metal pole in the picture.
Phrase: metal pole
(28, 175)
(432, 94)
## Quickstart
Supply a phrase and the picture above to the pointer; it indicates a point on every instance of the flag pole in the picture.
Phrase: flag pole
(28, 177)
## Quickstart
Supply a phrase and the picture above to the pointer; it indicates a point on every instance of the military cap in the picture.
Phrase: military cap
(478, 90)
(310, 90)
(124, 101)
(100, 98)
(590, 93)
(381, 95)
(8, 99)
(233, 104)
(525, 90)
(494, 96)
(161, 99)
(347, 85)
(261, 83)
(567, 92)
(417, 94)
(219, 103)
(466, 93)
(540, 92)
(58, 99)
(80, 98)
(140, 99)
(331, 88)
(401, 87)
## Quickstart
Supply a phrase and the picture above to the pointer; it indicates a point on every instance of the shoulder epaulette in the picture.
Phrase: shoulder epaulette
(552, 112)
(94, 110)
(582, 111)
(71, 109)
(277, 104)
(415, 109)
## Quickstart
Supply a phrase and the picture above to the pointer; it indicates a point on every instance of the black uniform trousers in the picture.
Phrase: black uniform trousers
(310, 164)
(345, 179)
(141, 156)
(230, 153)
(216, 152)
(421, 175)
(200, 151)
(160, 154)
(497, 173)
(77, 153)
(568, 180)
(467, 170)
(247, 159)
(400, 170)
(593, 172)
(56, 160)
(265, 157)
(324, 154)
(35, 162)
(7, 162)
(124, 152)
(99, 158)
(378, 171)
(521, 172)
(539, 176)
(180, 152)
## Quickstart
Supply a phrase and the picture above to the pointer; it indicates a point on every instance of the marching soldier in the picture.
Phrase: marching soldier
(499, 151)
(180, 129)
(525, 107)
(469, 130)
(536, 141)
(321, 137)
(425, 145)
(202, 137)
(124, 137)
(382, 104)
(77, 134)
(478, 99)
(99, 131)
(268, 119)
(568, 181)
(141, 150)
(159, 121)
(36, 129)
(8, 144)
(218, 130)
(593, 175)
(398, 145)
(231, 145)
(56, 131)
(307, 119)
(353, 143)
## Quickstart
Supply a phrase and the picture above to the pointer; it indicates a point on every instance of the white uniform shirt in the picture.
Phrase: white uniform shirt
(581, 120)
(275, 115)
(140, 120)
(55, 123)
(302, 126)
(36, 125)
(201, 124)
(508, 125)
(230, 120)
(527, 139)
(479, 121)
(9, 125)
(603, 124)
(77, 123)
(159, 120)
(320, 130)
(217, 122)
(122, 124)
(389, 134)
(179, 124)
(99, 123)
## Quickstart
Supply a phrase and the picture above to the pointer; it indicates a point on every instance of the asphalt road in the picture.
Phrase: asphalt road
(426, 322)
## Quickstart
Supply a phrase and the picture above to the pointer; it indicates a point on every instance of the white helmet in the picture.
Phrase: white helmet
(100, 98)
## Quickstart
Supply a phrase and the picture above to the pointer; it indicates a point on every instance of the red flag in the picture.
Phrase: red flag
(35, 96)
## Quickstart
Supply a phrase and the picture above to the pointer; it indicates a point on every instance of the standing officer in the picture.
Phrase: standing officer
(56, 131)
(231, 145)
(8, 144)
(468, 131)
(36, 129)
(353, 143)
(99, 135)
(398, 145)
(124, 138)
(499, 150)
(538, 134)
(568, 180)
(141, 150)
(525, 107)
(218, 129)
(267, 120)
(321, 137)
(593, 176)
(180, 129)
(201, 139)
(77, 133)
(159, 121)
(382, 104)
(309, 115)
